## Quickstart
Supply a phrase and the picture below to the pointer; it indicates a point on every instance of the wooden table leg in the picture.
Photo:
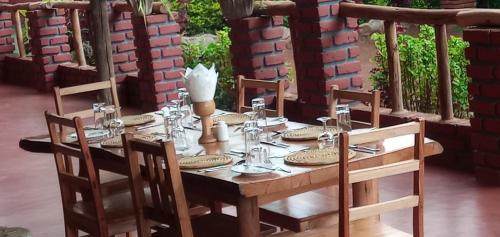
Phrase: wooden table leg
(248, 217)
(364, 193)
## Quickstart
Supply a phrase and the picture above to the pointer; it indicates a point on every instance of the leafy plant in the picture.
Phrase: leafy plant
(419, 71)
(205, 16)
(215, 53)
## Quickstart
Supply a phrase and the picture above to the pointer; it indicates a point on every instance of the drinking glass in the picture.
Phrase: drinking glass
(116, 127)
(259, 107)
(326, 139)
(112, 122)
(179, 134)
(98, 114)
(186, 107)
(252, 140)
(343, 118)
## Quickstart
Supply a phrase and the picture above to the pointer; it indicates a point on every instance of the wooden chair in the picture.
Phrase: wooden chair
(168, 202)
(350, 223)
(372, 98)
(95, 213)
(96, 86)
(278, 86)
(309, 210)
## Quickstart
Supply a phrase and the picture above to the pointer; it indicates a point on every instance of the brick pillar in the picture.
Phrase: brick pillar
(49, 45)
(122, 41)
(257, 50)
(6, 41)
(484, 88)
(160, 59)
(326, 54)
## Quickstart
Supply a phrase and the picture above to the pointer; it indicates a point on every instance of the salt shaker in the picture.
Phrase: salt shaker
(222, 131)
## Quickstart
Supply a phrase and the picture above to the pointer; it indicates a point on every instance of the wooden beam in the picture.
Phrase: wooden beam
(102, 44)
(77, 36)
(32, 6)
(399, 14)
(16, 18)
(274, 8)
(395, 89)
(483, 17)
(121, 6)
(445, 97)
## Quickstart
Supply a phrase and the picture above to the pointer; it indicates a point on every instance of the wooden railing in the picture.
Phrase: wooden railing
(74, 8)
(439, 19)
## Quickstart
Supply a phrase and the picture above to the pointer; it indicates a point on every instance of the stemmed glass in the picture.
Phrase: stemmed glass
(259, 107)
(326, 139)
(186, 107)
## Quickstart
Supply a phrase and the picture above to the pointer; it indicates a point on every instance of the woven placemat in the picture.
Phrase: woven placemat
(117, 141)
(316, 157)
(231, 119)
(134, 120)
(204, 161)
(305, 134)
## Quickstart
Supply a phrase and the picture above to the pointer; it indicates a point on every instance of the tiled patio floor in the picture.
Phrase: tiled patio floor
(455, 205)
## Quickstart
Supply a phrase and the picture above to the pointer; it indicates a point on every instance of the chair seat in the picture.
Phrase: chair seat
(303, 211)
(357, 229)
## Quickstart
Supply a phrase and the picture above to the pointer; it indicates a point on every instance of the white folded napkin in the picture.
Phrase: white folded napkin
(201, 82)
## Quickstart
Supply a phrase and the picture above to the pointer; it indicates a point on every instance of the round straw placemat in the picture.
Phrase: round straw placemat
(134, 120)
(117, 141)
(316, 157)
(231, 119)
(204, 161)
(305, 134)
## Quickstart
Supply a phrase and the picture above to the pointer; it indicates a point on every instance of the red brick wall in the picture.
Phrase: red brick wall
(484, 69)
(160, 59)
(257, 51)
(122, 42)
(6, 40)
(49, 45)
(326, 54)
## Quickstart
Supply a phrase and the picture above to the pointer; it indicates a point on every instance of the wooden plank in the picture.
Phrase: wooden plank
(395, 90)
(357, 213)
(418, 182)
(445, 97)
(19, 34)
(383, 171)
(82, 114)
(384, 133)
(77, 37)
(248, 217)
(483, 17)
(398, 14)
(274, 8)
(85, 88)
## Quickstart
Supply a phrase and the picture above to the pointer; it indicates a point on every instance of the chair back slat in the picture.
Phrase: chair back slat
(373, 98)
(278, 86)
(162, 172)
(85, 182)
(96, 86)
(415, 166)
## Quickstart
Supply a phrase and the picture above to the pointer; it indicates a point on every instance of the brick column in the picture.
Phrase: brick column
(6, 41)
(49, 45)
(122, 42)
(160, 59)
(257, 50)
(326, 54)
(484, 69)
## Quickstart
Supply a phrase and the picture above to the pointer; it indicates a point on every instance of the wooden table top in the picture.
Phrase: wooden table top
(268, 187)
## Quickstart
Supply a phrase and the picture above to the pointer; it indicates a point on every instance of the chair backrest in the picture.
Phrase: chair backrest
(86, 182)
(168, 202)
(278, 86)
(96, 86)
(415, 165)
(373, 98)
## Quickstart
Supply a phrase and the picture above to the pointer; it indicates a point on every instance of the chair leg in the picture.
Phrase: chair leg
(71, 231)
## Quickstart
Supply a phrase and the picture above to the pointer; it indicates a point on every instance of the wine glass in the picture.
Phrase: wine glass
(179, 134)
(343, 118)
(259, 107)
(326, 139)
(186, 107)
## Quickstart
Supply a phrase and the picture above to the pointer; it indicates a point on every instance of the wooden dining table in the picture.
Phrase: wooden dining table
(247, 193)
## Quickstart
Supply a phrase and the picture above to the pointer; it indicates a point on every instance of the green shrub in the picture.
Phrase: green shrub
(419, 74)
(218, 54)
(204, 16)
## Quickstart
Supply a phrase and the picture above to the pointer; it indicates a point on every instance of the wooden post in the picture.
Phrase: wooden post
(102, 44)
(77, 36)
(395, 90)
(19, 34)
(445, 99)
